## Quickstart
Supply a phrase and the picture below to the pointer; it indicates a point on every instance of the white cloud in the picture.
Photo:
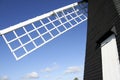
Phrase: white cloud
(73, 69)
(50, 69)
(4, 78)
(32, 75)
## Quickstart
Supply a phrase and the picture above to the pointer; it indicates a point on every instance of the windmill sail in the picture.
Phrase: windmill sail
(42, 29)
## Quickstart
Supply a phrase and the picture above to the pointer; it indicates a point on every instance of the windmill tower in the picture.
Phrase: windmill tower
(103, 41)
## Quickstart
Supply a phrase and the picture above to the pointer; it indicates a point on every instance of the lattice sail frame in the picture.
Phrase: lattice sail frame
(29, 35)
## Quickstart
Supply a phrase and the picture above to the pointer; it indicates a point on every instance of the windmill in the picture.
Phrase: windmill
(42, 29)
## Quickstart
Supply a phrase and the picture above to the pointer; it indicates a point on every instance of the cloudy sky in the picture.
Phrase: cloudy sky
(60, 59)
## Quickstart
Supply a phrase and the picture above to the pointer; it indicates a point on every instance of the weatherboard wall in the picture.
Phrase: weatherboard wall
(102, 17)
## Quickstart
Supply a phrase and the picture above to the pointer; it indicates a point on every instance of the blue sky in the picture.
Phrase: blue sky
(60, 59)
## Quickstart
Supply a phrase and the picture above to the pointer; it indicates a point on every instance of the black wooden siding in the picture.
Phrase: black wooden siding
(102, 16)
